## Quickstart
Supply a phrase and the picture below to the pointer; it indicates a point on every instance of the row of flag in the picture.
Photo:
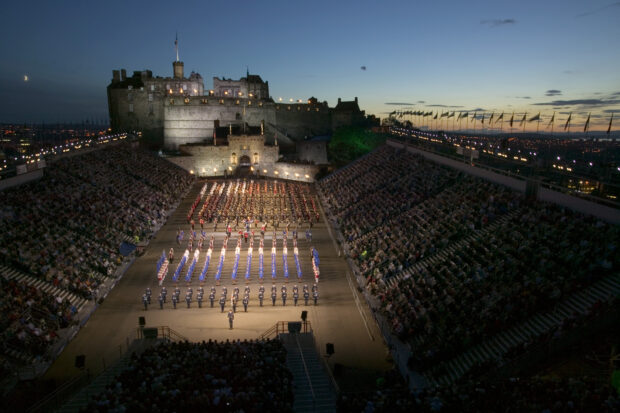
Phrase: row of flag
(491, 121)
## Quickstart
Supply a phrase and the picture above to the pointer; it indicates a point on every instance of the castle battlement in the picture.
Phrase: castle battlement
(178, 109)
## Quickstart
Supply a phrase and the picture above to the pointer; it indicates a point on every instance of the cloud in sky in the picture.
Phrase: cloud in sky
(475, 110)
(444, 106)
(524, 97)
(497, 22)
(399, 103)
(553, 92)
(600, 9)
(421, 101)
(583, 102)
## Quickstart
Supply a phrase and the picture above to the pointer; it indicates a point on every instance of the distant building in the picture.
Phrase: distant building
(178, 109)
(250, 86)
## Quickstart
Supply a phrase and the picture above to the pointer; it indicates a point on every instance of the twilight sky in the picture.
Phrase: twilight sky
(490, 55)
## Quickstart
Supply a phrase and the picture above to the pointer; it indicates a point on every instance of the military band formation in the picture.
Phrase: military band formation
(245, 207)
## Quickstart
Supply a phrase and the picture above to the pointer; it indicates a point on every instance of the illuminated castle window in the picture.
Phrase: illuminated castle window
(255, 157)
(233, 158)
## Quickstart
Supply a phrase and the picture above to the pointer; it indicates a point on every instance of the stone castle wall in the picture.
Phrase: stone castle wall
(312, 151)
(192, 119)
(220, 160)
(178, 110)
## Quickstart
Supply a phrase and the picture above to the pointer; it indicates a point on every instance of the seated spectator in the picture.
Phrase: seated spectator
(31, 319)
(454, 260)
(248, 376)
(66, 227)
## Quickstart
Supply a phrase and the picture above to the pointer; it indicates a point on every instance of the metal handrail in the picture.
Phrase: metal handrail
(303, 360)
(60, 394)
(282, 327)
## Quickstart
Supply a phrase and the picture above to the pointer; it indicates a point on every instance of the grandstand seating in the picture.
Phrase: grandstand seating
(60, 235)
(218, 376)
(456, 262)
(535, 394)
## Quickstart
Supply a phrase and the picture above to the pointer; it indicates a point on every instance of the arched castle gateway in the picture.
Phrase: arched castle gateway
(249, 152)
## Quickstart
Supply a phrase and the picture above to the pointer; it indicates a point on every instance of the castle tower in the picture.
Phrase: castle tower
(177, 66)
(178, 69)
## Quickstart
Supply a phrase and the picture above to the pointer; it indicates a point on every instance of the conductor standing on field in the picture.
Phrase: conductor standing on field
(231, 317)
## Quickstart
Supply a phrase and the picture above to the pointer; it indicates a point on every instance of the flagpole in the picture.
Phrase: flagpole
(552, 119)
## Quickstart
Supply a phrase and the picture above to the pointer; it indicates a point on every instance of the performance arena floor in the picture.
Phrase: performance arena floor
(341, 317)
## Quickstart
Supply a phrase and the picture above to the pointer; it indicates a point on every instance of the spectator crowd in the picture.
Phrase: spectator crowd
(30, 318)
(231, 376)
(534, 394)
(66, 229)
(454, 260)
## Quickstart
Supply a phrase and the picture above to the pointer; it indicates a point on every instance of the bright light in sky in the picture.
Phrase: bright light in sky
(484, 56)
(26, 78)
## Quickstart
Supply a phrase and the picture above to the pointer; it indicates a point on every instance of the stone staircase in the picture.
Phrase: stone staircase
(312, 387)
(448, 372)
